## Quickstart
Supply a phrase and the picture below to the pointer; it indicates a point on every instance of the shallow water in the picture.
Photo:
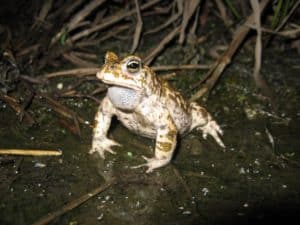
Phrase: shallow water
(252, 182)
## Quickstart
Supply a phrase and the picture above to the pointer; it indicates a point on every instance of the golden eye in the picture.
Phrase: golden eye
(133, 66)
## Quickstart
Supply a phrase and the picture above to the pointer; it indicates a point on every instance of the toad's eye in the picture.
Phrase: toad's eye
(133, 66)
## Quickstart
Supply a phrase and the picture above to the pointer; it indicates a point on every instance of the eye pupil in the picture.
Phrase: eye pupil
(133, 66)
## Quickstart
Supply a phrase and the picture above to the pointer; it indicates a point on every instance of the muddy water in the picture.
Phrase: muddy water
(255, 181)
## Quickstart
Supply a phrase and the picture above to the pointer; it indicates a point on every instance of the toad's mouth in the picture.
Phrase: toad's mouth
(121, 85)
(113, 81)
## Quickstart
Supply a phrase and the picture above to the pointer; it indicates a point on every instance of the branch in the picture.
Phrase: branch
(138, 29)
(216, 70)
(28, 152)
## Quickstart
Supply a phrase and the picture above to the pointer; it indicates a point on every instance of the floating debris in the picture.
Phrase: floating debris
(205, 191)
(40, 165)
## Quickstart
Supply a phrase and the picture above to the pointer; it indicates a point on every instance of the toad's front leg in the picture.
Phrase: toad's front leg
(164, 147)
(101, 143)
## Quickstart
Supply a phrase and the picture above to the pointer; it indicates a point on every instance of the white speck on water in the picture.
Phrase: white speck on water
(181, 207)
(284, 186)
(257, 133)
(256, 161)
(242, 170)
(107, 197)
(256, 171)
(205, 191)
(246, 205)
(60, 86)
(39, 165)
(187, 212)
(138, 204)
(100, 217)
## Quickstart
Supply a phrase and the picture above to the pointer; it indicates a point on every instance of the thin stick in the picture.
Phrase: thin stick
(77, 18)
(138, 29)
(29, 152)
(180, 67)
(80, 72)
(73, 72)
(189, 9)
(161, 45)
(216, 71)
(73, 204)
(164, 25)
(109, 21)
(259, 80)
(71, 57)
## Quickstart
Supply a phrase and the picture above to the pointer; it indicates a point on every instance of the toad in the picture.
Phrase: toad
(148, 106)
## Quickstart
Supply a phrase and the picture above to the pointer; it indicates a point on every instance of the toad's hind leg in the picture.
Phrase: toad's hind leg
(202, 120)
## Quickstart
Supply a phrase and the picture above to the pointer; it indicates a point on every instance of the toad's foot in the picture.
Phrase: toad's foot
(214, 130)
(153, 163)
(103, 145)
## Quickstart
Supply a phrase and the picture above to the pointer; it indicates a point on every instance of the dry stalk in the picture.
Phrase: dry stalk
(77, 18)
(43, 13)
(138, 28)
(161, 45)
(216, 70)
(171, 20)
(29, 152)
(189, 9)
(73, 58)
(108, 22)
(75, 203)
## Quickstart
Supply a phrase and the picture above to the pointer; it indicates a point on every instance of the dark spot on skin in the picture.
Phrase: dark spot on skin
(164, 146)
(171, 135)
(203, 112)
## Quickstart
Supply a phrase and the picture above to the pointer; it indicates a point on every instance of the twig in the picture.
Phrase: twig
(283, 22)
(180, 67)
(13, 103)
(62, 110)
(182, 181)
(71, 57)
(75, 203)
(109, 21)
(138, 28)
(85, 55)
(74, 72)
(259, 80)
(216, 70)
(77, 18)
(222, 9)
(29, 152)
(43, 13)
(189, 9)
(80, 72)
(164, 25)
(161, 45)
